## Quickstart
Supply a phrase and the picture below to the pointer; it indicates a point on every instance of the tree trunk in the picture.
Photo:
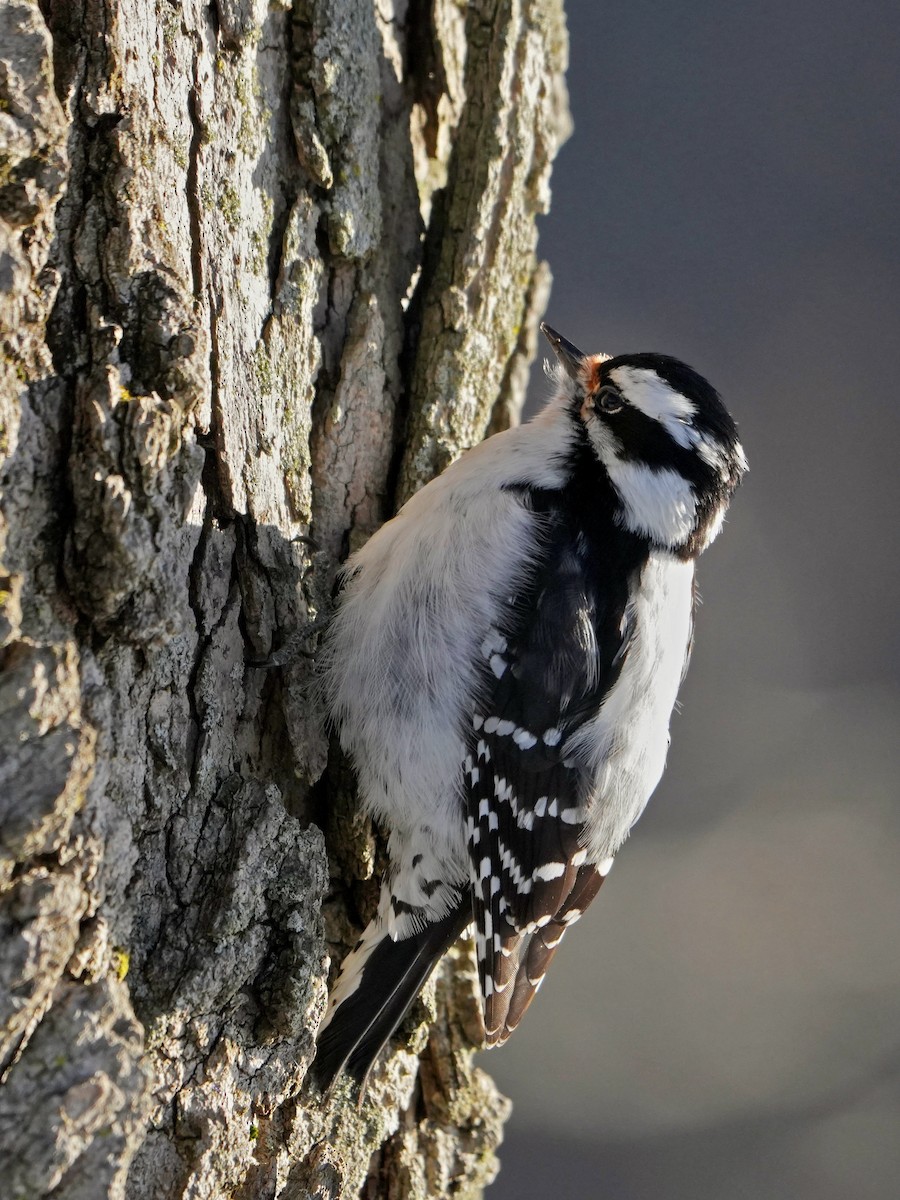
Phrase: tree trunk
(266, 268)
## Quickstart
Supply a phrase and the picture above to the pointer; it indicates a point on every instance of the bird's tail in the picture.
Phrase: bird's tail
(379, 980)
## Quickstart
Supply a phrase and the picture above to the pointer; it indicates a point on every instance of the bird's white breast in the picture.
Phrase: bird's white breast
(624, 747)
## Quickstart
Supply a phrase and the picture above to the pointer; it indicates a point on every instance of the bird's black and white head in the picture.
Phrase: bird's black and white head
(664, 438)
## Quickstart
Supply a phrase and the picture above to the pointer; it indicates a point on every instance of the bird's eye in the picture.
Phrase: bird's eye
(609, 400)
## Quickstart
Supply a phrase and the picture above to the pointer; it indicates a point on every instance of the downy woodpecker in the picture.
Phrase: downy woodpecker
(502, 668)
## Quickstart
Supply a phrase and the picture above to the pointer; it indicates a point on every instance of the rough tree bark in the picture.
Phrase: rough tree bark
(265, 268)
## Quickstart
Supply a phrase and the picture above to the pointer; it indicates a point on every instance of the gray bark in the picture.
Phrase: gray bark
(265, 269)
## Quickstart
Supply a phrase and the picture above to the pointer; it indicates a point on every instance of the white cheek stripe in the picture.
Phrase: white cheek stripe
(659, 504)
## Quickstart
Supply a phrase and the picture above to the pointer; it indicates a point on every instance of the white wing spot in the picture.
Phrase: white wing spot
(549, 871)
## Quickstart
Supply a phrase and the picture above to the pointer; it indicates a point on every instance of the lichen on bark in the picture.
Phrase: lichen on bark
(264, 268)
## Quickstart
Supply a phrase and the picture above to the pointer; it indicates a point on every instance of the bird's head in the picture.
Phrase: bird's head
(664, 438)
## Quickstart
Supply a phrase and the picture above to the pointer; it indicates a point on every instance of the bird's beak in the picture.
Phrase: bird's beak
(570, 356)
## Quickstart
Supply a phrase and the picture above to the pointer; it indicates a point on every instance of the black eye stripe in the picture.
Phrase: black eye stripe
(645, 440)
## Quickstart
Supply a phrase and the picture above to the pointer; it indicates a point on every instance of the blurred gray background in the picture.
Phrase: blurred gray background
(725, 1022)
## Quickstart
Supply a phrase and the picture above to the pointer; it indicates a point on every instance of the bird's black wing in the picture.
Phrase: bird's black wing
(555, 653)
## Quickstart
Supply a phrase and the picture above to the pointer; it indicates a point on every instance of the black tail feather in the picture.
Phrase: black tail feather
(392, 977)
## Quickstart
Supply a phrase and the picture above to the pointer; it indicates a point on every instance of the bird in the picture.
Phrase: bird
(502, 667)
